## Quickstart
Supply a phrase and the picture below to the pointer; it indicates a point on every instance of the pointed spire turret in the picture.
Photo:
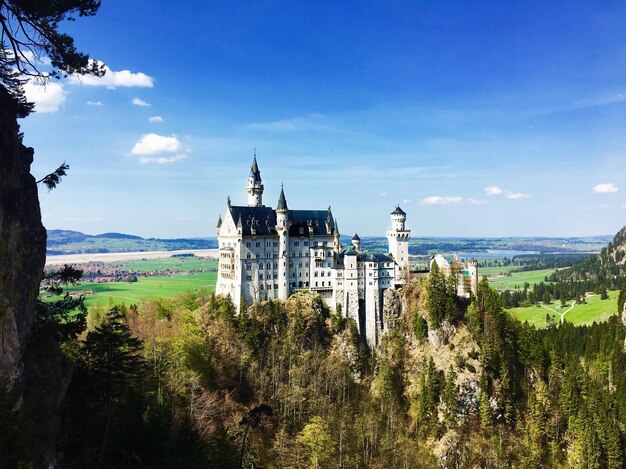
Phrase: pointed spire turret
(255, 185)
(239, 223)
(219, 221)
(282, 201)
(254, 169)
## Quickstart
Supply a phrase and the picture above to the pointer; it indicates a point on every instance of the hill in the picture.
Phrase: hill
(75, 242)
(607, 269)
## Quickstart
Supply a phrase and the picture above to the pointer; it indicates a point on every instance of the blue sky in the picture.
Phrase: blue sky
(481, 119)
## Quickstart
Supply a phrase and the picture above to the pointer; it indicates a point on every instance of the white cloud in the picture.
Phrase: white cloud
(162, 159)
(493, 190)
(112, 79)
(48, 98)
(140, 102)
(475, 202)
(155, 119)
(152, 144)
(406, 201)
(442, 200)
(515, 195)
(497, 191)
(383, 194)
(94, 103)
(605, 188)
(451, 200)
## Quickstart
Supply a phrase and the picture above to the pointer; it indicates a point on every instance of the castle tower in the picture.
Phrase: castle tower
(472, 267)
(356, 243)
(255, 186)
(282, 228)
(398, 237)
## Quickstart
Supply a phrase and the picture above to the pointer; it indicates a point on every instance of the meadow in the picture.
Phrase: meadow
(515, 280)
(595, 309)
(200, 273)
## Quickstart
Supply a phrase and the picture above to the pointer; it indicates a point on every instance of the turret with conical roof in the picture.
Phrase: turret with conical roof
(282, 228)
(255, 185)
(356, 242)
(282, 201)
(398, 237)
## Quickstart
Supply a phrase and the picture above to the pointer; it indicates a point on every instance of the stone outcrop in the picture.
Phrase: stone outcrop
(22, 243)
(34, 374)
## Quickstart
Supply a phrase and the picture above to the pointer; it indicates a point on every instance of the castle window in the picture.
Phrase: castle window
(322, 274)
(293, 274)
(307, 284)
(275, 286)
(325, 243)
(248, 256)
(275, 243)
(260, 276)
(261, 266)
(315, 274)
(260, 287)
(296, 243)
(248, 244)
(306, 243)
(299, 264)
(275, 265)
(306, 265)
(258, 245)
(248, 277)
(322, 283)
(316, 284)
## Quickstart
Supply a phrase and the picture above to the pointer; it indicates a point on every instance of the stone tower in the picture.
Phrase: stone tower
(398, 237)
(282, 228)
(255, 186)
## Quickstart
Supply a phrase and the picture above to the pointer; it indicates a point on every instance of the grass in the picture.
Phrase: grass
(144, 288)
(595, 310)
(517, 279)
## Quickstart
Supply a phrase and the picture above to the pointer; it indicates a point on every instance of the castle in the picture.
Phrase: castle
(267, 253)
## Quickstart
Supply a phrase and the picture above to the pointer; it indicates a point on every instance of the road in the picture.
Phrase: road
(560, 314)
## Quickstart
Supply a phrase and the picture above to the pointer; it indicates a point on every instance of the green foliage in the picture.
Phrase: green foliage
(441, 296)
(30, 32)
(420, 327)
(317, 442)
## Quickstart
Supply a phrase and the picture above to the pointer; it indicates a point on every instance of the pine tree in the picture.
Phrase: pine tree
(114, 361)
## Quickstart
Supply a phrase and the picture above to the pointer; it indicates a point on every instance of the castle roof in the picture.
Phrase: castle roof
(263, 219)
(398, 211)
(254, 170)
(356, 237)
(219, 221)
(302, 220)
(282, 202)
(365, 256)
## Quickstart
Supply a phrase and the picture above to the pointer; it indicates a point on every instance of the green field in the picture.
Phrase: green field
(144, 288)
(595, 310)
(517, 279)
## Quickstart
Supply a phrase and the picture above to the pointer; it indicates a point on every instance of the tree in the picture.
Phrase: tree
(317, 442)
(114, 361)
(30, 33)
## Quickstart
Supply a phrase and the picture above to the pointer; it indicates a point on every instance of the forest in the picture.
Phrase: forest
(190, 382)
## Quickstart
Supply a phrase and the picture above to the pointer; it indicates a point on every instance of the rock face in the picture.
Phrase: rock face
(34, 374)
(22, 246)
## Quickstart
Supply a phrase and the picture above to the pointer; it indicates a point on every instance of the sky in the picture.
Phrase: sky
(477, 118)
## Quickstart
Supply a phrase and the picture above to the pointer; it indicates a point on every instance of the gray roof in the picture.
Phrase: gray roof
(302, 222)
(254, 169)
(356, 237)
(282, 202)
(398, 211)
(364, 256)
(261, 218)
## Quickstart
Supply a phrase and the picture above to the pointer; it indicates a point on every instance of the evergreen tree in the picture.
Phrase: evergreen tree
(113, 359)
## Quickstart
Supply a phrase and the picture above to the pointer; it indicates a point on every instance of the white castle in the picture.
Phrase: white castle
(267, 253)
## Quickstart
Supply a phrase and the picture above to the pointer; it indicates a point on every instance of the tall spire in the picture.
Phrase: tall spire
(254, 169)
(282, 201)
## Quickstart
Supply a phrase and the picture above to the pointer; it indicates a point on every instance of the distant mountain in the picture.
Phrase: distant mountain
(117, 236)
(75, 242)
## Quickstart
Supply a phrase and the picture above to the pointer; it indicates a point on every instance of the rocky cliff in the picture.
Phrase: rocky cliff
(33, 372)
